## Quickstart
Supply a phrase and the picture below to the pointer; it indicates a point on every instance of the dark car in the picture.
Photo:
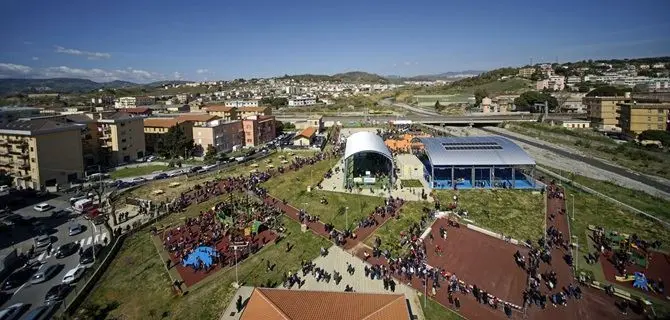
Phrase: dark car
(195, 169)
(41, 313)
(66, 250)
(56, 293)
(45, 273)
(14, 311)
(17, 278)
(4, 296)
(87, 256)
(160, 176)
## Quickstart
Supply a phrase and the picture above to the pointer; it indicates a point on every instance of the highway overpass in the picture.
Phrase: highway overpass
(446, 120)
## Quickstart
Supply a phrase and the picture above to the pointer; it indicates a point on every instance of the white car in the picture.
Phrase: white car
(43, 207)
(74, 274)
(152, 158)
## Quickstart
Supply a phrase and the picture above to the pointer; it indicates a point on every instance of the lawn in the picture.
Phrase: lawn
(137, 171)
(516, 213)
(292, 187)
(411, 183)
(137, 284)
(435, 311)
(389, 233)
(640, 200)
(185, 183)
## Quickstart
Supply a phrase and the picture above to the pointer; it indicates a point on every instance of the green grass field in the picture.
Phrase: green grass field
(137, 171)
(411, 183)
(137, 284)
(516, 213)
(435, 311)
(292, 187)
(389, 233)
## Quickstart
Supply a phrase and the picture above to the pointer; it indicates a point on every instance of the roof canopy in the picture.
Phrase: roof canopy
(366, 142)
(478, 151)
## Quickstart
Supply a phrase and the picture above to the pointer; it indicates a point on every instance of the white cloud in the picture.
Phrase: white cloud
(202, 71)
(177, 75)
(88, 54)
(9, 70)
(35, 58)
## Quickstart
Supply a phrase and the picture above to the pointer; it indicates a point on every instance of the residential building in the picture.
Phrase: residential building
(132, 102)
(41, 152)
(90, 137)
(198, 119)
(155, 127)
(225, 113)
(259, 129)
(122, 137)
(143, 111)
(298, 102)
(659, 65)
(253, 111)
(223, 135)
(574, 123)
(574, 103)
(241, 103)
(638, 116)
(105, 100)
(315, 121)
(526, 72)
(602, 111)
(555, 83)
(11, 113)
(182, 98)
(305, 137)
(176, 108)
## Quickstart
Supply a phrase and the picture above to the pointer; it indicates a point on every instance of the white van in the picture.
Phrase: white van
(74, 274)
(83, 205)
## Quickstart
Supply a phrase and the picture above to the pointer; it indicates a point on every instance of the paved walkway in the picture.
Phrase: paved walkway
(336, 260)
(231, 312)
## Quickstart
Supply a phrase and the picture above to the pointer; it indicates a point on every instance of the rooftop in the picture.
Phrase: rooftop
(271, 304)
(307, 133)
(202, 117)
(161, 122)
(646, 105)
(252, 109)
(136, 110)
(477, 151)
(218, 108)
(36, 126)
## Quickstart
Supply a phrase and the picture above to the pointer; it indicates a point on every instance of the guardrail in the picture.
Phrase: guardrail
(603, 196)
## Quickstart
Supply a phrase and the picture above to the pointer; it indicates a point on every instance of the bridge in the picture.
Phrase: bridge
(473, 119)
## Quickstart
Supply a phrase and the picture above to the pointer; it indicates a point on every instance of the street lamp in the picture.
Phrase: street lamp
(573, 206)
(237, 280)
(346, 217)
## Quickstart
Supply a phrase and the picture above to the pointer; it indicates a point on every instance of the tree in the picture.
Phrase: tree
(583, 87)
(480, 94)
(528, 100)
(280, 127)
(561, 99)
(537, 75)
(175, 143)
(607, 91)
(438, 106)
(210, 155)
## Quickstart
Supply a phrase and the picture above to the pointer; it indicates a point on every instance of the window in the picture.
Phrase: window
(32, 160)
(31, 149)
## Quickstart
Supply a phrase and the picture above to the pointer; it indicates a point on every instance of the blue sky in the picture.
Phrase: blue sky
(149, 40)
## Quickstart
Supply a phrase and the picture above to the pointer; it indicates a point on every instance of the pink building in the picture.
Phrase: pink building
(223, 135)
(555, 83)
(258, 130)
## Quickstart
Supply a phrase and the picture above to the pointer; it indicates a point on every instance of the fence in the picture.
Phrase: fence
(596, 193)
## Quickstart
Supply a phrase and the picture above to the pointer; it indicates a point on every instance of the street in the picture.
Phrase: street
(58, 229)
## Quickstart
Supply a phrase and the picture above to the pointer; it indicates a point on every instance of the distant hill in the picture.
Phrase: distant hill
(71, 85)
(350, 77)
(451, 75)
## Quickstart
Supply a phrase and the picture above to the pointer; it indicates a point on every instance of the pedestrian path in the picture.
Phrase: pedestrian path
(231, 312)
(98, 238)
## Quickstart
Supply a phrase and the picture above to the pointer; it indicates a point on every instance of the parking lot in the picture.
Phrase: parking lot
(21, 236)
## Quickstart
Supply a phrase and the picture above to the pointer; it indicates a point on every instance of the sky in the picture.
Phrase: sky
(148, 40)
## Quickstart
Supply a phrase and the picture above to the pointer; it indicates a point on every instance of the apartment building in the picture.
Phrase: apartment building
(41, 152)
(198, 119)
(259, 129)
(155, 127)
(106, 100)
(298, 102)
(602, 111)
(132, 102)
(253, 111)
(526, 72)
(315, 121)
(182, 98)
(223, 135)
(241, 103)
(9, 114)
(121, 137)
(225, 113)
(636, 117)
(555, 83)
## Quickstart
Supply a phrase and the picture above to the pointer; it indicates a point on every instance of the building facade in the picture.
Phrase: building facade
(526, 72)
(637, 117)
(555, 83)
(223, 135)
(241, 103)
(155, 127)
(297, 102)
(40, 152)
(305, 137)
(259, 130)
(132, 102)
(121, 138)
(253, 111)
(602, 112)
(225, 113)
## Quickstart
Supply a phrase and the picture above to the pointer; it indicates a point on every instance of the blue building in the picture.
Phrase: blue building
(476, 162)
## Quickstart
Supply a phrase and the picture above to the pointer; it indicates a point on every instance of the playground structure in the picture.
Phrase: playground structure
(201, 255)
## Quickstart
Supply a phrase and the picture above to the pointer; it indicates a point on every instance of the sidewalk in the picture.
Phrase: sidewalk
(231, 311)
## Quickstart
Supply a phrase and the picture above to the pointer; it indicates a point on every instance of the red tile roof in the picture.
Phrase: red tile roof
(218, 108)
(307, 133)
(252, 109)
(198, 117)
(161, 123)
(280, 304)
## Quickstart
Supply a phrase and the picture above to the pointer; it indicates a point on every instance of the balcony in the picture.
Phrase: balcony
(15, 152)
(24, 166)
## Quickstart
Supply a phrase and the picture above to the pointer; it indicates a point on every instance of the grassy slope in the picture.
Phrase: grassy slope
(389, 233)
(435, 311)
(137, 279)
(137, 171)
(518, 213)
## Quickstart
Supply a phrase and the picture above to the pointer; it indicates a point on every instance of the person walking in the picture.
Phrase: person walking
(457, 303)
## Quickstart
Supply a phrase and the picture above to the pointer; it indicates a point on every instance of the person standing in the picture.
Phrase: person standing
(457, 303)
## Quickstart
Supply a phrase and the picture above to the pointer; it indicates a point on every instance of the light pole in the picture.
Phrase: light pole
(573, 206)
(346, 217)
(237, 280)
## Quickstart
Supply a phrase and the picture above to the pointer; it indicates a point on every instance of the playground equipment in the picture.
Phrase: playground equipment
(639, 281)
(201, 254)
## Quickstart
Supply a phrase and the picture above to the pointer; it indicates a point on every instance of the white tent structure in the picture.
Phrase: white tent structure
(365, 143)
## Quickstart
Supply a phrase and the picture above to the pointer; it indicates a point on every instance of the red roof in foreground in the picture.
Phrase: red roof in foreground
(307, 133)
(280, 304)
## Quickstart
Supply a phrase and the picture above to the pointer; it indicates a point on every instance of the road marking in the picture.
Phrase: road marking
(97, 238)
(103, 237)
(94, 227)
(42, 256)
(82, 242)
(89, 240)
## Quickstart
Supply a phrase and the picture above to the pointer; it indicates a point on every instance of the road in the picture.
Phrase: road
(589, 160)
(389, 102)
(33, 294)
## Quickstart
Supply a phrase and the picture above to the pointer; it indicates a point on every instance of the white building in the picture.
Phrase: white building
(241, 103)
(556, 83)
(182, 98)
(297, 102)
(133, 102)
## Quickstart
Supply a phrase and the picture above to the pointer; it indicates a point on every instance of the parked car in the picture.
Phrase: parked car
(41, 313)
(195, 169)
(4, 297)
(14, 311)
(45, 273)
(74, 274)
(56, 293)
(152, 158)
(77, 198)
(89, 254)
(42, 240)
(17, 278)
(139, 179)
(160, 176)
(75, 229)
(43, 207)
(67, 249)
(60, 213)
(175, 173)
